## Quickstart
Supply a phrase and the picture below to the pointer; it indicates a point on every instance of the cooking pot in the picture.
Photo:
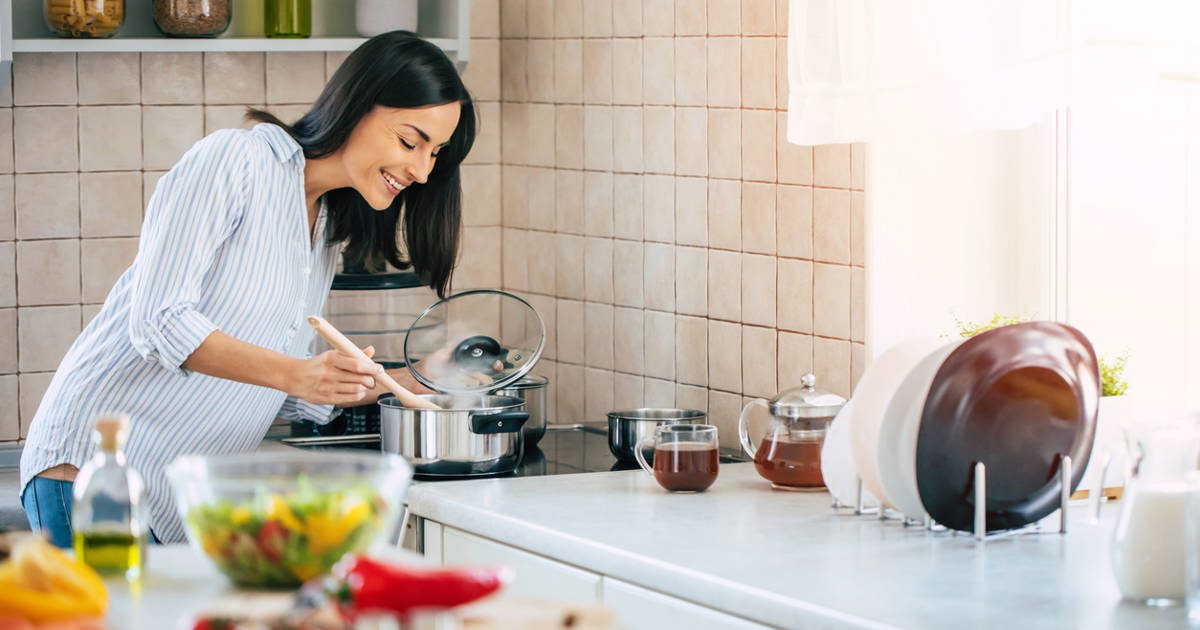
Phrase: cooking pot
(627, 428)
(470, 436)
(531, 389)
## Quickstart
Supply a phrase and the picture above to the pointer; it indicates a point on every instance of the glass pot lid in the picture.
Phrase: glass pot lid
(474, 342)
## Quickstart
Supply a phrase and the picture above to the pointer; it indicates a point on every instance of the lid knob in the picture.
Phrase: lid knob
(808, 381)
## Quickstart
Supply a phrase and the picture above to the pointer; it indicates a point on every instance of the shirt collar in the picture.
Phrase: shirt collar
(282, 145)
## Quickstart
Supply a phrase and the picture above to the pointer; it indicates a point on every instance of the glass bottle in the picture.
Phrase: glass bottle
(288, 18)
(84, 18)
(108, 518)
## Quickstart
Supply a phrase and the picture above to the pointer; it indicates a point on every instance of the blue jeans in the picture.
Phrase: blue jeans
(47, 504)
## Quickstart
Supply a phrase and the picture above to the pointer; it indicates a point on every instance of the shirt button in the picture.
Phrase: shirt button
(307, 270)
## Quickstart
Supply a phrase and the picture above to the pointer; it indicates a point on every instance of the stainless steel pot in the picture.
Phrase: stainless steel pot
(470, 436)
(531, 389)
(627, 428)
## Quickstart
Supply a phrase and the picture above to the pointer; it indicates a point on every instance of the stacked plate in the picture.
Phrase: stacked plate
(1017, 399)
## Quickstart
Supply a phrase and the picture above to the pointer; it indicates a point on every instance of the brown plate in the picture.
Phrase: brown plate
(1016, 398)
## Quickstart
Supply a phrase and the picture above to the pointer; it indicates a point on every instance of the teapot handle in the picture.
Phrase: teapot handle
(744, 425)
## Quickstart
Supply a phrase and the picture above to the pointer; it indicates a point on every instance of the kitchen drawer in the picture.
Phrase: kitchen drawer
(638, 608)
(536, 576)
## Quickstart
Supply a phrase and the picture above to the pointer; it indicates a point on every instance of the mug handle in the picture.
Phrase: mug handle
(641, 459)
(744, 425)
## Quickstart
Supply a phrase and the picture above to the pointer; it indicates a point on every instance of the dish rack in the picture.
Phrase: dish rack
(979, 529)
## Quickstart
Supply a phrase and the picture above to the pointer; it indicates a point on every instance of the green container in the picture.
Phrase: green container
(287, 18)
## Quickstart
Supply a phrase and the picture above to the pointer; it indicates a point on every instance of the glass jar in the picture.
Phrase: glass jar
(192, 18)
(84, 18)
(789, 454)
(287, 18)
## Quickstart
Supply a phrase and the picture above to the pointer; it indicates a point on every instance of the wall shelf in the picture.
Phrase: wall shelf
(220, 44)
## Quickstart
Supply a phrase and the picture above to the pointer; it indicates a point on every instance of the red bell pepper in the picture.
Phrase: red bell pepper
(361, 585)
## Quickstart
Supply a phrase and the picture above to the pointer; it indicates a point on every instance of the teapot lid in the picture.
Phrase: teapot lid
(806, 401)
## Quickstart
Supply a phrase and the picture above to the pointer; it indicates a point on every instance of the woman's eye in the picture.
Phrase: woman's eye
(406, 144)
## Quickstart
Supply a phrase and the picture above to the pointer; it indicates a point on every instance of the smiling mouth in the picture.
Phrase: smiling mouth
(394, 184)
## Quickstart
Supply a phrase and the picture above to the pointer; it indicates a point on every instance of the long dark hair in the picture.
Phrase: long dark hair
(396, 69)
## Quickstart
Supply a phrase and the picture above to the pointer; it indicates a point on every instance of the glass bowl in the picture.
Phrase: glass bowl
(276, 520)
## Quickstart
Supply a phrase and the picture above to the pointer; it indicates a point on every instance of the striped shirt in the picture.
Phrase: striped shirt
(225, 246)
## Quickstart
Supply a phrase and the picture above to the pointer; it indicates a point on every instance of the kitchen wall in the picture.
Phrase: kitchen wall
(680, 250)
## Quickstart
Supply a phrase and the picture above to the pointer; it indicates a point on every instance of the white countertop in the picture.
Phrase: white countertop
(787, 559)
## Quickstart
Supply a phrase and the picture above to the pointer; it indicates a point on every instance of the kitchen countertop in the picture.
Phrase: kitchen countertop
(788, 559)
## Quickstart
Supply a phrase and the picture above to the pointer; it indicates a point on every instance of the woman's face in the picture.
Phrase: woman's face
(392, 148)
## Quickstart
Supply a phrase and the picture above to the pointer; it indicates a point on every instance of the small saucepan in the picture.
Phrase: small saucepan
(627, 428)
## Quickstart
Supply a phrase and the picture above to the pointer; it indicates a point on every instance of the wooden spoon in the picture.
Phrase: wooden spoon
(347, 347)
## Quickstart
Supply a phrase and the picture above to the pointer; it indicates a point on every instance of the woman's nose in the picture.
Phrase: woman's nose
(419, 168)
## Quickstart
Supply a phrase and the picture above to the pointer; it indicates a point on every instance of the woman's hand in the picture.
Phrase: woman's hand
(334, 378)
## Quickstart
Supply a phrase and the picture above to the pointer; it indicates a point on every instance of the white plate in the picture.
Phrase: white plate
(837, 460)
(871, 398)
(896, 458)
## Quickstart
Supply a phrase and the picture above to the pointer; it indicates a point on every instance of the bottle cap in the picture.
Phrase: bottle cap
(112, 431)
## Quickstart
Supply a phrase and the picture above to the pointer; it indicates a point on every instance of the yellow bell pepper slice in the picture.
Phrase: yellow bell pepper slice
(279, 511)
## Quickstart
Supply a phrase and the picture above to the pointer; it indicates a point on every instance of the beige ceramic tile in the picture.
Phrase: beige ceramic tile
(660, 344)
(110, 138)
(627, 66)
(47, 205)
(482, 74)
(628, 273)
(831, 364)
(781, 76)
(795, 299)
(690, 17)
(485, 18)
(858, 363)
(514, 60)
(598, 393)
(692, 397)
(44, 334)
(542, 265)
(831, 225)
(570, 272)
(570, 331)
(724, 84)
(659, 204)
(333, 61)
(660, 393)
(723, 411)
(660, 276)
(598, 138)
(514, 133)
(542, 190)
(658, 70)
(570, 384)
(546, 306)
(691, 280)
(725, 285)
(6, 88)
(514, 183)
(512, 19)
(781, 11)
(857, 228)
(725, 214)
(149, 184)
(627, 18)
(48, 272)
(481, 194)
(568, 18)
(758, 72)
(831, 301)
(540, 18)
(225, 117)
(690, 65)
(298, 77)
(795, 358)
(691, 141)
(176, 78)
(758, 17)
(479, 267)
(6, 140)
(794, 213)
(628, 392)
(32, 388)
(598, 204)
(858, 166)
(598, 18)
(515, 259)
(568, 70)
(691, 211)
(629, 340)
(486, 149)
(8, 341)
(858, 304)
(109, 78)
(88, 312)
(45, 139)
(627, 206)
(691, 350)
(725, 356)
(758, 151)
(7, 207)
(10, 425)
(795, 161)
(831, 165)
(105, 259)
(289, 114)
(724, 17)
(168, 132)
(598, 271)
(627, 139)
(542, 135)
(658, 18)
(598, 335)
(44, 79)
(8, 274)
(758, 218)
(541, 70)
(758, 290)
(234, 78)
(569, 202)
(759, 361)
(724, 143)
(598, 71)
(568, 136)
(658, 139)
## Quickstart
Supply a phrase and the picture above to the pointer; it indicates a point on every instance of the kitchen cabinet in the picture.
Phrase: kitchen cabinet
(536, 576)
(637, 608)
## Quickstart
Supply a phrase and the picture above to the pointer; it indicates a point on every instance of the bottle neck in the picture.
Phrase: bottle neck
(105, 457)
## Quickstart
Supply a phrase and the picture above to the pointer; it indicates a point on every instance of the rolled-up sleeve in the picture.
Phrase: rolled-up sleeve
(195, 208)
(299, 409)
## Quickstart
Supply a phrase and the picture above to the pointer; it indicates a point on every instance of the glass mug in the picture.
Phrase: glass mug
(685, 456)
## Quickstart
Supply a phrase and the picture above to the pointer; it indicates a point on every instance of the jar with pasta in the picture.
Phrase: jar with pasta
(192, 18)
(84, 18)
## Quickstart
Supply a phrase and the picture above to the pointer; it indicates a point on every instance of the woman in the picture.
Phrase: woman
(203, 339)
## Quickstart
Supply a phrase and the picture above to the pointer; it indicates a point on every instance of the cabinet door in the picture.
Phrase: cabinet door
(638, 608)
(536, 576)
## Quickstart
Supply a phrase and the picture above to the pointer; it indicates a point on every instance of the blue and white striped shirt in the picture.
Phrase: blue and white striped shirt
(225, 246)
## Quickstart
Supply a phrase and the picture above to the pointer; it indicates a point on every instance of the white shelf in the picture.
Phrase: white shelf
(216, 44)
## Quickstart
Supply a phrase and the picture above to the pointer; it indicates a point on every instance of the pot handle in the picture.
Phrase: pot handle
(503, 422)
(744, 425)
(641, 459)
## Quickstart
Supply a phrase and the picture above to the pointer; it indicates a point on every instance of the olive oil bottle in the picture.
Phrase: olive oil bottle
(110, 529)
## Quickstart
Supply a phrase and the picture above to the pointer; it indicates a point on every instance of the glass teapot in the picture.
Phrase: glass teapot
(789, 454)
